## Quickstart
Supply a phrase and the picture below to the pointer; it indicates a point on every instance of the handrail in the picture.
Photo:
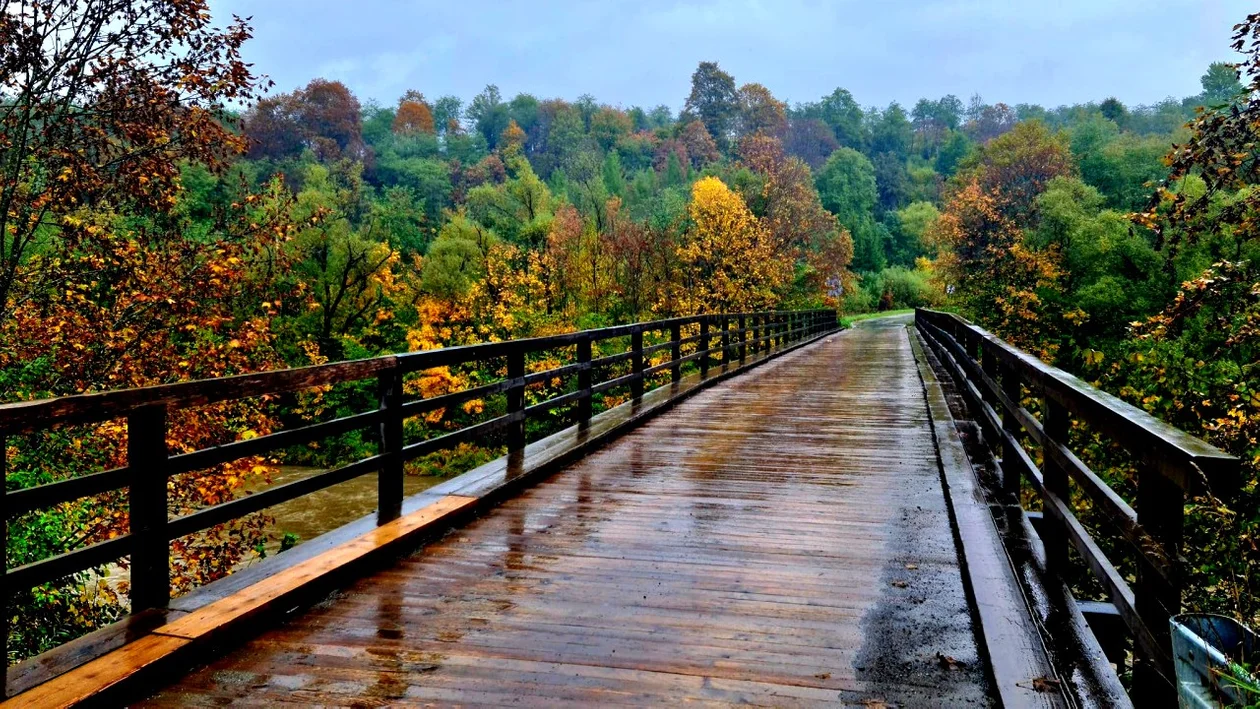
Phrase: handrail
(722, 338)
(1172, 464)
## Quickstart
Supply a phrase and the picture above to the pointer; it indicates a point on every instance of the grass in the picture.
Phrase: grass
(848, 320)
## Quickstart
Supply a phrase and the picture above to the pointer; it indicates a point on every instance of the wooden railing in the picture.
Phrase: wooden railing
(706, 338)
(1171, 464)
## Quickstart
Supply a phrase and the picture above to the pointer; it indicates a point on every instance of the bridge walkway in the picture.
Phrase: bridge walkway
(780, 539)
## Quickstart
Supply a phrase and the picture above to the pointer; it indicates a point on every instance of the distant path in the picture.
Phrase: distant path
(780, 539)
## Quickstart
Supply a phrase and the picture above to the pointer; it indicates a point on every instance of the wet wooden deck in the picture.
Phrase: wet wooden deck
(780, 539)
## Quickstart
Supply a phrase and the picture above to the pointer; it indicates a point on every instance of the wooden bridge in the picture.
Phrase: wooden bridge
(808, 517)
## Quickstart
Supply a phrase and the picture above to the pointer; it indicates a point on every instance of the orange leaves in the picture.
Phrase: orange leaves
(413, 116)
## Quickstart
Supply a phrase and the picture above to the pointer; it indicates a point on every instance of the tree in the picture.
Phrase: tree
(488, 114)
(349, 271)
(457, 258)
(843, 115)
(329, 113)
(107, 112)
(614, 176)
(847, 188)
(113, 276)
(908, 235)
(952, 153)
(1014, 168)
(324, 117)
(713, 101)
(700, 146)
(446, 113)
(891, 132)
(760, 112)
(993, 273)
(801, 229)
(892, 180)
(526, 111)
(273, 129)
(1113, 110)
(727, 257)
(1220, 84)
(810, 140)
(609, 125)
(414, 115)
(988, 122)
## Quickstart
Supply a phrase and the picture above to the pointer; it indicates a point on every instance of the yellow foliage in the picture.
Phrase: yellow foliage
(728, 257)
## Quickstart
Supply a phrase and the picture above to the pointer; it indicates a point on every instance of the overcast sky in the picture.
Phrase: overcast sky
(642, 52)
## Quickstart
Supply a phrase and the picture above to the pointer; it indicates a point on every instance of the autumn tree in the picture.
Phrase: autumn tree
(727, 258)
(324, 116)
(413, 115)
(699, 144)
(1006, 280)
(105, 114)
(760, 112)
(132, 284)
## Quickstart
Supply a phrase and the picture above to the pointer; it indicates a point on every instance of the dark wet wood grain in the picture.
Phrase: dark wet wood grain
(779, 540)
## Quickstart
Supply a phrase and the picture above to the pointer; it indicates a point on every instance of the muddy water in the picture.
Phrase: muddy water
(312, 515)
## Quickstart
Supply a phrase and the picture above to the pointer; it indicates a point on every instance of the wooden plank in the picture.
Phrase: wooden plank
(99, 675)
(77, 652)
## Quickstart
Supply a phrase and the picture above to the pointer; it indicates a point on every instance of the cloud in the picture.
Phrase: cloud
(643, 52)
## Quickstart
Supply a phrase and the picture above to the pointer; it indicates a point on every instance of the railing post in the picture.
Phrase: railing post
(584, 379)
(989, 364)
(726, 339)
(516, 399)
(1161, 512)
(150, 549)
(704, 346)
(389, 480)
(675, 352)
(1011, 470)
(743, 338)
(1056, 423)
(636, 346)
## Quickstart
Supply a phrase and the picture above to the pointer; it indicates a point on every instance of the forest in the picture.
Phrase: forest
(165, 216)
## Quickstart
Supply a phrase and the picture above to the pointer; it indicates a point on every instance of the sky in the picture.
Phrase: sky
(642, 52)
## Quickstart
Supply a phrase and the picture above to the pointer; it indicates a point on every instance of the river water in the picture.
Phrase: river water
(325, 510)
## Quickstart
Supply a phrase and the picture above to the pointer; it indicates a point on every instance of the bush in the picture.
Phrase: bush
(894, 288)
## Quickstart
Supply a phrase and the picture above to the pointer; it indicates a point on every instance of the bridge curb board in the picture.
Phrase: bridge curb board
(225, 612)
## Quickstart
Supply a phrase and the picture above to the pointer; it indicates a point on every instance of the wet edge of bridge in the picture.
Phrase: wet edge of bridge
(889, 621)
